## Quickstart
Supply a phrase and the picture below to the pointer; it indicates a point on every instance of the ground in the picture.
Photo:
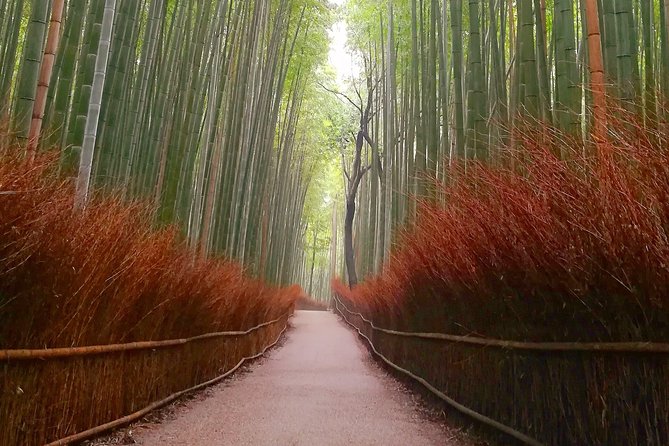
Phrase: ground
(319, 388)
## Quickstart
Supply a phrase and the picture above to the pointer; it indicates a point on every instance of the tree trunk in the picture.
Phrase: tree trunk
(349, 255)
(313, 264)
(354, 178)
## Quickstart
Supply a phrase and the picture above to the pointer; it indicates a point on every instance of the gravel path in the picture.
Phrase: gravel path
(320, 388)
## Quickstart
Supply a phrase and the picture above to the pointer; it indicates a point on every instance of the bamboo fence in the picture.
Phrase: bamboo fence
(66, 395)
(540, 393)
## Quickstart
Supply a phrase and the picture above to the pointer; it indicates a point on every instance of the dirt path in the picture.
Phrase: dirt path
(320, 388)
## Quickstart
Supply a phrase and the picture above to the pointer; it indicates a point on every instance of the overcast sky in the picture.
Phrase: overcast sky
(339, 58)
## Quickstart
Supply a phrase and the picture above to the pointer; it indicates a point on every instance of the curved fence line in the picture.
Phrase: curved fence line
(594, 347)
(96, 431)
(464, 409)
(69, 352)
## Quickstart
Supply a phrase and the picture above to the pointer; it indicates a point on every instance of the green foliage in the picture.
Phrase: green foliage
(326, 122)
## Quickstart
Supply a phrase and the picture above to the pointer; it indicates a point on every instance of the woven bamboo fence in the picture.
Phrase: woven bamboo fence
(65, 395)
(539, 393)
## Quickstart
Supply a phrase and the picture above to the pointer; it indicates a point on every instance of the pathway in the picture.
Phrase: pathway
(319, 388)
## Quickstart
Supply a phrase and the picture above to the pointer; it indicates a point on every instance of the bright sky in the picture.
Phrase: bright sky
(340, 60)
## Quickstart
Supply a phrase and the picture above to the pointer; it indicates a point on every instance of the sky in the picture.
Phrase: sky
(339, 58)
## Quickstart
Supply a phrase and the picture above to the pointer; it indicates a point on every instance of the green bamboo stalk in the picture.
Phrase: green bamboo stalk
(45, 77)
(59, 99)
(83, 87)
(9, 49)
(542, 61)
(93, 116)
(476, 97)
(664, 51)
(567, 90)
(26, 84)
(529, 83)
(650, 88)
(626, 71)
(609, 34)
(664, 36)
(456, 24)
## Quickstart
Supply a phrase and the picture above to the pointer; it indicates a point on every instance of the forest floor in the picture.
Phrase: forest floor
(320, 388)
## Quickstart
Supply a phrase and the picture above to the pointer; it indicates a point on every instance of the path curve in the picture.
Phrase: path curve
(320, 388)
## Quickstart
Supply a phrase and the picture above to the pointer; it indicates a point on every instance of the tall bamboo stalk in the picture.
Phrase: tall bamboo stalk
(45, 76)
(93, 116)
(596, 69)
(26, 84)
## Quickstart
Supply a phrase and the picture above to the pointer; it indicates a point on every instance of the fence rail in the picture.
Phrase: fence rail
(162, 372)
(96, 431)
(593, 347)
(69, 352)
(466, 410)
(620, 359)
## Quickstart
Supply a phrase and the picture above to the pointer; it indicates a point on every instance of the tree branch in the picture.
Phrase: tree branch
(369, 140)
(343, 166)
(341, 95)
(357, 92)
(372, 144)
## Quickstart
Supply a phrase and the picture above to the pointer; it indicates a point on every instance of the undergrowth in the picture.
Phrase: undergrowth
(101, 276)
(564, 241)
(548, 249)
(106, 275)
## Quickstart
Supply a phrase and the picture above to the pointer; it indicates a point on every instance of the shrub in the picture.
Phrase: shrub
(102, 276)
(541, 249)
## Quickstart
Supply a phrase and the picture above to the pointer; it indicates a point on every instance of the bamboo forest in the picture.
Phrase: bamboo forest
(334, 222)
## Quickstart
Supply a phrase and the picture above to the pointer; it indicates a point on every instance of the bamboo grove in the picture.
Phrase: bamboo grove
(197, 107)
(451, 78)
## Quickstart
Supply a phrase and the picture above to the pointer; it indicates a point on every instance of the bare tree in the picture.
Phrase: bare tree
(365, 109)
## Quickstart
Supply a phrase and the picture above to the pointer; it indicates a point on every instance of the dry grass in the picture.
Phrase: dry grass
(105, 276)
(548, 250)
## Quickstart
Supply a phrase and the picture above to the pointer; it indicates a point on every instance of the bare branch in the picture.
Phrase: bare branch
(343, 165)
(357, 179)
(369, 140)
(372, 144)
(341, 95)
(357, 92)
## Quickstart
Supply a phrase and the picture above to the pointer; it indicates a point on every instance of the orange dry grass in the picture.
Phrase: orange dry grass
(541, 254)
(104, 276)
(549, 250)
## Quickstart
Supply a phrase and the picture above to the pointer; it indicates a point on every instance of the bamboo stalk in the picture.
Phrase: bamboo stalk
(596, 69)
(94, 106)
(45, 77)
(26, 84)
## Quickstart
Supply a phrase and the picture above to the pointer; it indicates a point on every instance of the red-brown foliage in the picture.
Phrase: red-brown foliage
(105, 275)
(544, 250)
(101, 276)
(550, 250)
